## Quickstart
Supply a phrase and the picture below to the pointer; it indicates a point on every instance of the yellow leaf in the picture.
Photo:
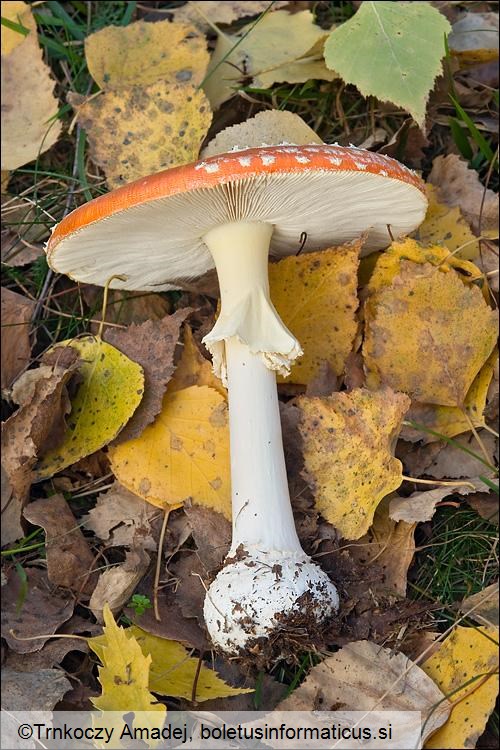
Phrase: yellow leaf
(184, 453)
(348, 455)
(389, 263)
(193, 368)
(111, 391)
(446, 226)
(173, 671)
(138, 130)
(143, 53)
(281, 39)
(28, 104)
(451, 420)
(19, 13)
(427, 333)
(465, 668)
(125, 674)
(315, 296)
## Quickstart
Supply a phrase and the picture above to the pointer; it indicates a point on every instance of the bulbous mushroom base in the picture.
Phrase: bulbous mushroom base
(265, 597)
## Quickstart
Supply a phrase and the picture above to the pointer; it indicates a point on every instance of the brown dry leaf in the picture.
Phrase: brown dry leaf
(55, 650)
(317, 292)
(16, 348)
(193, 368)
(124, 307)
(116, 585)
(485, 505)
(446, 226)
(31, 608)
(488, 263)
(211, 534)
(483, 606)
(284, 48)
(139, 130)
(348, 454)
(143, 53)
(363, 676)
(392, 546)
(24, 228)
(39, 423)
(465, 668)
(457, 185)
(221, 11)
(122, 519)
(421, 506)
(32, 691)
(183, 454)
(70, 561)
(454, 463)
(270, 128)
(152, 344)
(28, 104)
(427, 334)
(474, 38)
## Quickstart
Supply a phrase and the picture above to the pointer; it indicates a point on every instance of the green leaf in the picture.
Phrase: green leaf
(402, 47)
(111, 390)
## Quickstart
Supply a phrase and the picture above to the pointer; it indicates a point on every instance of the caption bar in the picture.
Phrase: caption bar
(204, 730)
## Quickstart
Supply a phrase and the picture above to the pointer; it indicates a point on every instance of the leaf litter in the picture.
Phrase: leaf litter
(372, 552)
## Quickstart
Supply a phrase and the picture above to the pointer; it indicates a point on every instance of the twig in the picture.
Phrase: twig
(158, 565)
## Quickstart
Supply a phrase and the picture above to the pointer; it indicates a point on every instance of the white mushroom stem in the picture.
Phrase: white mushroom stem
(267, 580)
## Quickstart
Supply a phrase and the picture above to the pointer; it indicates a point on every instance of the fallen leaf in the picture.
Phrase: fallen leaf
(391, 545)
(482, 606)
(143, 53)
(24, 230)
(29, 127)
(488, 263)
(193, 368)
(363, 676)
(33, 691)
(348, 454)
(485, 505)
(54, 651)
(32, 608)
(265, 54)
(421, 506)
(122, 519)
(117, 584)
(457, 185)
(152, 345)
(427, 334)
(37, 423)
(465, 668)
(124, 676)
(221, 12)
(211, 534)
(453, 462)
(139, 130)
(407, 144)
(17, 312)
(446, 226)
(111, 390)
(474, 38)
(388, 33)
(184, 453)
(173, 671)
(70, 561)
(270, 128)
(450, 421)
(124, 307)
(317, 292)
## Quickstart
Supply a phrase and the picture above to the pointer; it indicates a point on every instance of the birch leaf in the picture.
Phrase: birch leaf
(427, 334)
(111, 389)
(348, 454)
(143, 53)
(402, 47)
(28, 103)
(317, 292)
(193, 368)
(183, 454)
(465, 668)
(124, 675)
(173, 671)
(138, 130)
(445, 225)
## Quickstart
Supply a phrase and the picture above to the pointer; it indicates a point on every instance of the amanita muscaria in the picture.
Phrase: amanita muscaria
(231, 211)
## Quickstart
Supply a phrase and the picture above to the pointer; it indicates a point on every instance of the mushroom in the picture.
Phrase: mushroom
(230, 211)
